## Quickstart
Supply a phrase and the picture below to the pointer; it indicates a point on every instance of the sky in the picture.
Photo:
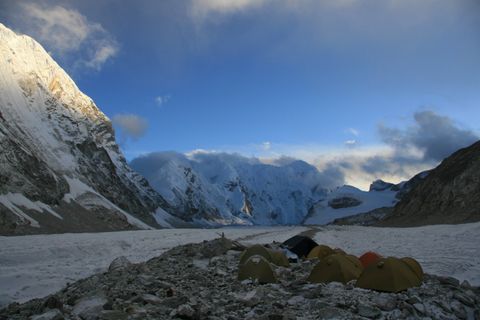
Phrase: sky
(369, 88)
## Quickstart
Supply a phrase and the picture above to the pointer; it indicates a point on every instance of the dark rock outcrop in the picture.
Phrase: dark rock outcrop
(450, 193)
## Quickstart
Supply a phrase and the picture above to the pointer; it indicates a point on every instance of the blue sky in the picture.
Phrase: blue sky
(312, 79)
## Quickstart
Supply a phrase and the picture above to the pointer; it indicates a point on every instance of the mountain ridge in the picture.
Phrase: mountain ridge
(51, 135)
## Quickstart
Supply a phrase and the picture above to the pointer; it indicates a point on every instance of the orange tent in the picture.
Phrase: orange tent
(368, 258)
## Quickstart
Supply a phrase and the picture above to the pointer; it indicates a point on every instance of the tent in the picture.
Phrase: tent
(320, 252)
(388, 275)
(255, 250)
(336, 267)
(279, 258)
(415, 266)
(257, 268)
(368, 258)
(354, 260)
(276, 257)
(338, 250)
(300, 245)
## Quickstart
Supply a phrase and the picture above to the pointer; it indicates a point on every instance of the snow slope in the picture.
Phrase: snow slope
(323, 213)
(34, 266)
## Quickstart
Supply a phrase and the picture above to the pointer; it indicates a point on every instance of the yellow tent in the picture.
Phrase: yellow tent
(415, 266)
(335, 267)
(388, 275)
(257, 268)
(320, 252)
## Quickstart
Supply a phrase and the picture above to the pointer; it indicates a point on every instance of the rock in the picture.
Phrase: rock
(89, 308)
(413, 300)
(459, 310)
(463, 298)
(53, 302)
(419, 307)
(296, 300)
(331, 313)
(174, 302)
(252, 298)
(185, 311)
(466, 285)
(112, 315)
(367, 311)
(385, 302)
(119, 263)
(449, 281)
(53, 314)
(445, 306)
(150, 298)
(344, 202)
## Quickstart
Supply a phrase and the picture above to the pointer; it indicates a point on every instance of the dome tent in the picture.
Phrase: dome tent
(276, 257)
(300, 245)
(320, 252)
(336, 267)
(255, 250)
(279, 258)
(368, 258)
(415, 266)
(388, 275)
(257, 268)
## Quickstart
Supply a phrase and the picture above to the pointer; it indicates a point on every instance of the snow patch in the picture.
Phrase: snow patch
(323, 213)
(15, 200)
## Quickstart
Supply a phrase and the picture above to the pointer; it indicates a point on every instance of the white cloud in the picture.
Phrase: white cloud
(202, 8)
(354, 131)
(131, 125)
(66, 31)
(267, 145)
(351, 143)
(161, 100)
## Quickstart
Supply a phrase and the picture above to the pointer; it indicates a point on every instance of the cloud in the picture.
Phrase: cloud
(402, 153)
(131, 125)
(267, 145)
(354, 132)
(433, 137)
(66, 31)
(202, 8)
(351, 143)
(161, 100)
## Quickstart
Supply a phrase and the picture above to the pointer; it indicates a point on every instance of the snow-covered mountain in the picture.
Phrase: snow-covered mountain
(348, 201)
(60, 167)
(218, 188)
(348, 205)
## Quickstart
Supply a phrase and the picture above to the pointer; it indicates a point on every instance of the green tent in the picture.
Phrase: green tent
(389, 275)
(257, 268)
(276, 257)
(335, 267)
(279, 258)
(255, 250)
(320, 252)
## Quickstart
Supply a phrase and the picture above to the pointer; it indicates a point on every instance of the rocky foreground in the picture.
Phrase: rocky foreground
(199, 281)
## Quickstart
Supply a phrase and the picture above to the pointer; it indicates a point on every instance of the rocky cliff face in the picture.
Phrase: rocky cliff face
(60, 167)
(449, 194)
